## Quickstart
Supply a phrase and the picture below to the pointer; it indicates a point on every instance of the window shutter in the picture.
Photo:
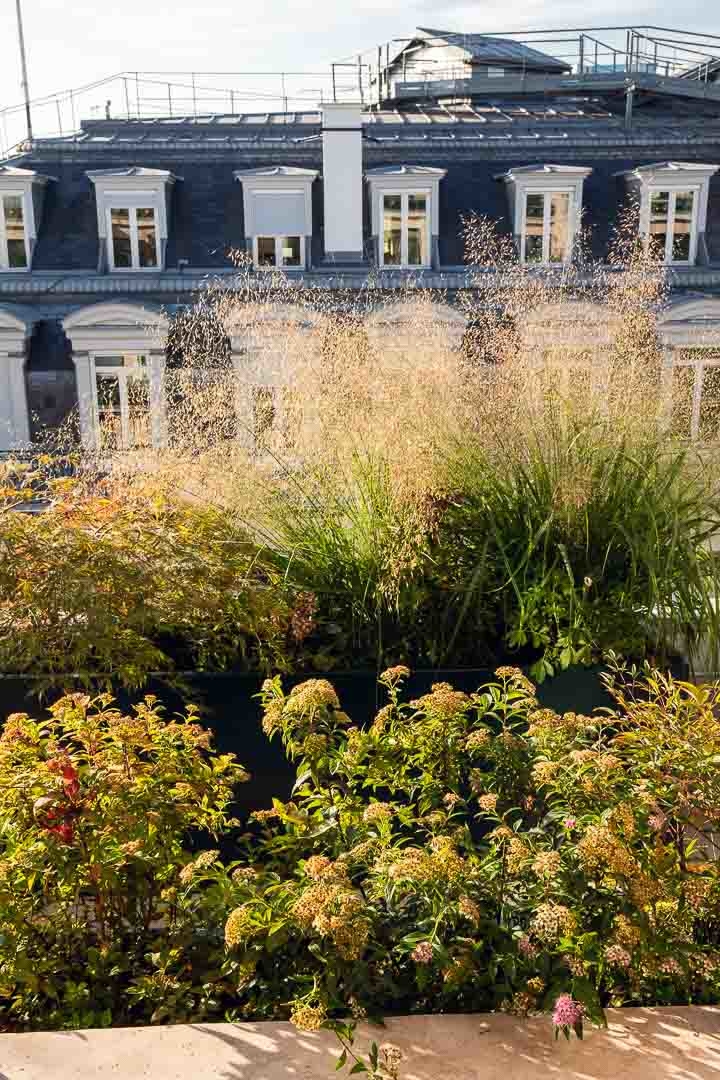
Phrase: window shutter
(279, 213)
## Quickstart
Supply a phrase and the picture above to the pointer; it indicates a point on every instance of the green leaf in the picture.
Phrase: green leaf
(341, 1061)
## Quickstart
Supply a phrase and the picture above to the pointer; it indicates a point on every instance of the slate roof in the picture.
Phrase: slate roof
(493, 50)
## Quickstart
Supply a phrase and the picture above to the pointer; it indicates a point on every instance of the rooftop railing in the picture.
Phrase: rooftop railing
(369, 77)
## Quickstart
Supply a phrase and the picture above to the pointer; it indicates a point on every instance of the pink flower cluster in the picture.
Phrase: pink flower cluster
(567, 1012)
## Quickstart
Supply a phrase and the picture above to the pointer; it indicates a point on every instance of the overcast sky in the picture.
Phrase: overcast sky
(73, 42)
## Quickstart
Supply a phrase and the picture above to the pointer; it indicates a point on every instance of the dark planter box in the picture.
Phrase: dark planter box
(229, 706)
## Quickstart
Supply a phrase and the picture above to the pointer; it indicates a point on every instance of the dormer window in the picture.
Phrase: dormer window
(545, 208)
(673, 198)
(14, 253)
(277, 204)
(132, 209)
(21, 199)
(404, 214)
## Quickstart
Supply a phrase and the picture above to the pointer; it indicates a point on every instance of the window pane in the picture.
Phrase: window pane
(417, 230)
(290, 246)
(710, 405)
(559, 226)
(266, 250)
(138, 394)
(659, 209)
(109, 410)
(682, 225)
(122, 251)
(15, 232)
(534, 210)
(683, 388)
(147, 240)
(392, 230)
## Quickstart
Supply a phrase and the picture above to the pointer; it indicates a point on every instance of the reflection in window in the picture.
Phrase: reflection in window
(392, 230)
(133, 238)
(559, 226)
(671, 225)
(147, 237)
(280, 251)
(122, 402)
(122, 247)
(406, 229)
(13, 247)
(546, 235)
(534, 227)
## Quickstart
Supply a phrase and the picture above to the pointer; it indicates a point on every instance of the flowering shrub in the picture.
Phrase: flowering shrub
(476, 852)
(105, 916)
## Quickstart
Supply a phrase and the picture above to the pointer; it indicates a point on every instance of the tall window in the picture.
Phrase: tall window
(406, 229)
(122, 402)
(278, 251)
(133, 238)
(695, 400)
(546, 233)
(13, 242)
(672, 230)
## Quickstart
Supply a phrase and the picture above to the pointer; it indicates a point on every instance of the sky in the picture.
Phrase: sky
(73, 42)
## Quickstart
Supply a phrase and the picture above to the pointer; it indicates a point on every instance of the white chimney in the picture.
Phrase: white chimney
(343, 182)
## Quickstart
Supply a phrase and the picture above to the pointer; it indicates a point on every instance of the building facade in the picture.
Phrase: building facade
(108, 233)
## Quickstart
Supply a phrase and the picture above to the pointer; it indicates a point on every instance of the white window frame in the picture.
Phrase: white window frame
(279, 258)
(123, 372)
(128, 189)
(705, 357)
(545, 179)
(29, 186)
(673, 177)
(132, 207)
(547, 194)
(398, 180)
(4, 257)
(645, 213)
(270, 180)
(405, 194)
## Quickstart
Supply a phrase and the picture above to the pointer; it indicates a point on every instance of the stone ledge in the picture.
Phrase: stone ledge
(680, 1043)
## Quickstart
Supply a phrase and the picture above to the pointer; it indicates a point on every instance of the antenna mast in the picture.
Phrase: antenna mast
(23, 63)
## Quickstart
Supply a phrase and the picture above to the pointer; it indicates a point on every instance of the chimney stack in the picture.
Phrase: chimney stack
(343, 183)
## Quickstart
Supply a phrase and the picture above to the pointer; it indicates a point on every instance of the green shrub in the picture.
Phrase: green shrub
(104, 917)
(478, 852)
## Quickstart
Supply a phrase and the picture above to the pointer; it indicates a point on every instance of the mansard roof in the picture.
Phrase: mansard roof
(277, 171)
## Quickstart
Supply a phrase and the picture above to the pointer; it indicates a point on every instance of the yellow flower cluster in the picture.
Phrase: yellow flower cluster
(696, 892)
(547, 864)
(244, 875)
(517, 855)
(203, 862)
(240, 927)
(311, 695)
(377, 811)
(394, 674)
(379, 723)
(546, 722)
(320, 868)
(469, 909)
(622, 819)
(488, 803)
(544, 772)
(442, 863)
(517, 677)
(535, 985)
(444, 703)
(552, 921)
(308, 1017)
(272, 717)
(600, 850)
(314, 745)
(625, 933)
(477, 740)
(333, 909)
